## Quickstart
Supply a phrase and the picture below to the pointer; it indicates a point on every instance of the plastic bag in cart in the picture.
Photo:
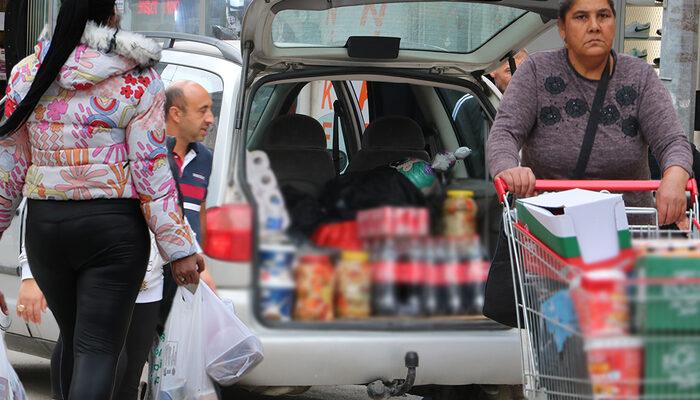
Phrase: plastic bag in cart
(232, 349)
(177, 369)
(10, 386)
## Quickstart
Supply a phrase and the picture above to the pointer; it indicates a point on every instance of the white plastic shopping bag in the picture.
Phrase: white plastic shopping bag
(10, 386)
(177, 370)
(232, 349)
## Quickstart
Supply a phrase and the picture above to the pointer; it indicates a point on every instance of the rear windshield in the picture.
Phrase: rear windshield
(432, 26)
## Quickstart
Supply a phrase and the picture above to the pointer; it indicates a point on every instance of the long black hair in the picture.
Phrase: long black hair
(70, 25)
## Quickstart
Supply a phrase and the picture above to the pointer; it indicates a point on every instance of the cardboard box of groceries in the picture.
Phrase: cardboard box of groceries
(671, 368)
(669, 290)
(578, 224)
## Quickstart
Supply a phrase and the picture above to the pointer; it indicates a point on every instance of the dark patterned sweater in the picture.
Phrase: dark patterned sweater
(545, 110)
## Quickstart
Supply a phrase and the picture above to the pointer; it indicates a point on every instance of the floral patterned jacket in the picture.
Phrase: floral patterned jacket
(98, 132)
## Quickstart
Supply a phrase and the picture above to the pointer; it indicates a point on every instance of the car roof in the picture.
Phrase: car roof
(229, 50)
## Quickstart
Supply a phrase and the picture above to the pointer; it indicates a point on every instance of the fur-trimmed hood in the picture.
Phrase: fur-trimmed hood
(93, 60)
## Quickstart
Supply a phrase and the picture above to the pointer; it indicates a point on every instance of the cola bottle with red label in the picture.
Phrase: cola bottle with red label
(465, 257)
(384, 279)
(454, 279)
(410, 278)
(435, 290)
(477, 274)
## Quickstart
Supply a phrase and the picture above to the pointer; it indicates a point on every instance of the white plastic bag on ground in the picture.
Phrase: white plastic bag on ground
(177, 370)
(10, 386)
(232, 349)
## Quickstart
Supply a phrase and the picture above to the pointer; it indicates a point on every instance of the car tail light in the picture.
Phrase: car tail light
(229, 232)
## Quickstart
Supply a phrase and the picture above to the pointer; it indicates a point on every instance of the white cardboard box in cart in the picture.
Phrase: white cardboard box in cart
(578, 224)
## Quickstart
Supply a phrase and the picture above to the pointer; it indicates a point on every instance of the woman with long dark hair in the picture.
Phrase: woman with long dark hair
(85, 143)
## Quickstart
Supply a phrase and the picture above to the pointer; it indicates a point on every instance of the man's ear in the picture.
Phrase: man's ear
(173, 114)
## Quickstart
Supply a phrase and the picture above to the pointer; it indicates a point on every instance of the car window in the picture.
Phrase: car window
(441, 26)
(360, 91)
(316, 99)
(213, 83)
(216, 18)
(258, 106)
(472, 125)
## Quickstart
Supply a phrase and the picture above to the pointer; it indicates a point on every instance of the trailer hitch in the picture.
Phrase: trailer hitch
(379, 390)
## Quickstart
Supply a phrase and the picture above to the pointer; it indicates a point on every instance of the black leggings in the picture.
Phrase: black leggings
(89, 258)
(139, 340)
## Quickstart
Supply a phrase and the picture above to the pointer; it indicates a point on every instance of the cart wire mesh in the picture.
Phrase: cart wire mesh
(661, 334)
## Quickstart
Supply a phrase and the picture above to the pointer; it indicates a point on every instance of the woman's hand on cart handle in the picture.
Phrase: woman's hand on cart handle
(519, 181)
(671, 201)
(549, 185)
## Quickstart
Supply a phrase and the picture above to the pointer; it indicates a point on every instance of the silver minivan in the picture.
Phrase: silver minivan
(345, 62)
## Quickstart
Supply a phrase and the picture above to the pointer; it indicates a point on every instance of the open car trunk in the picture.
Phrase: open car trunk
(389, 244)
(383, 242)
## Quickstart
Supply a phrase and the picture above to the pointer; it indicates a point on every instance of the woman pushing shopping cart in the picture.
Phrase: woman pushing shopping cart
(626, 327)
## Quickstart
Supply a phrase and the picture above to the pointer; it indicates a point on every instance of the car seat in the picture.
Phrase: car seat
(296, 147)
(389, 139)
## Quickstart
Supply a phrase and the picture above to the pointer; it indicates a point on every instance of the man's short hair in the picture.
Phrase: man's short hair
(175, 96)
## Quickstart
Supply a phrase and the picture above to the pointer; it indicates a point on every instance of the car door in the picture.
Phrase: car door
(9, 272)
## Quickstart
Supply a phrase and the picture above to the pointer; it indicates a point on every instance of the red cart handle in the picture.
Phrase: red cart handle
(544, 185)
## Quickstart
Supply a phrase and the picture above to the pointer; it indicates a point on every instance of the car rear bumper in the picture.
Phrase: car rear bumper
(322, 357)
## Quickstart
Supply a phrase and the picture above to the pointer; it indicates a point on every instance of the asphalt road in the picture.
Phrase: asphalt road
(34, 374)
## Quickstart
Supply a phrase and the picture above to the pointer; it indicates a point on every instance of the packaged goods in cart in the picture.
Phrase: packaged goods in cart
(636, 319)
(393, 222)
(668, 247)
(353, 284)
(668, 313)
(384, 261)
(672, 367)
(459, 214)
(670, 299)
(615, 367)
(315, 288)
(577, 224)
(601, 303)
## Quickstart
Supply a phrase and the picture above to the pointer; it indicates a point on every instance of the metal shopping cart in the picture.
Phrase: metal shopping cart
(561, 358)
